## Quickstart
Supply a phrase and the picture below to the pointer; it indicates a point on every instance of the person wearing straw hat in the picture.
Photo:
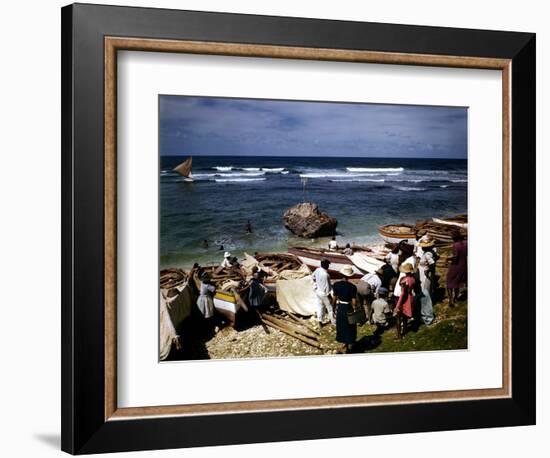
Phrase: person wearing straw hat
(345, 301)
(405, 305)
(426, 274)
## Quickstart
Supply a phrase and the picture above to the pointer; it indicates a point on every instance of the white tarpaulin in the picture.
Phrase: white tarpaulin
(297, 296)
(173, 311)
(365, 262)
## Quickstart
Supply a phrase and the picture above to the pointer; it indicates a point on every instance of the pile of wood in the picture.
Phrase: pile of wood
(172, 278)
(291, 325)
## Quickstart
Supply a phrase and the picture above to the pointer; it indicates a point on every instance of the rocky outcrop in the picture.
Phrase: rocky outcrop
(306, 220)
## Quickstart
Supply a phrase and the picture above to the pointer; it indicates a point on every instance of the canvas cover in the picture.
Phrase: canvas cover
(173, 311)
(365, 262)
(297, 296)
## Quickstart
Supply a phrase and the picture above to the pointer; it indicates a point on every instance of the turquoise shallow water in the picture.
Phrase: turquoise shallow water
(361, 193)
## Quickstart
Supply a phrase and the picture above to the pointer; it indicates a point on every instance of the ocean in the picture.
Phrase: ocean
(361, 193)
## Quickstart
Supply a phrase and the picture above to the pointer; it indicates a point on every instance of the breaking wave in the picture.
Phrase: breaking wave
(237, 180)
(348, 180)
(375, 169)
(406, 188)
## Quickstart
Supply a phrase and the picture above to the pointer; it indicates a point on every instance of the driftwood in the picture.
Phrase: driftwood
(264, 326)
(301, 322)
(306, 340)
(290, 326)
(239, 299)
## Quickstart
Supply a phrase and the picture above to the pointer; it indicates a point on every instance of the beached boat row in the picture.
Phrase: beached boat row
(440, 230)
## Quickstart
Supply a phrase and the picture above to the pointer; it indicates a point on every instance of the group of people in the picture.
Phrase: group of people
(401, 290)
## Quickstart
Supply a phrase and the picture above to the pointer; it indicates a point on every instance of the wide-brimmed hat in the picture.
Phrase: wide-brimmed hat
(227, 254)
(426, 244)
(406, 268)
(347, 271)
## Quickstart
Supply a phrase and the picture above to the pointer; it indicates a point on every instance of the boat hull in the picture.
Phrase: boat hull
(312, 258)
(390, 235)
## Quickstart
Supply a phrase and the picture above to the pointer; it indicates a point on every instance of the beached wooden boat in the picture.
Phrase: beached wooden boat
(184, 169)
(274, 264)
(172, 278)
(460, 221)
(230, 284)
(312, 258)
(442, 234)
(395, 233)
(278, 262)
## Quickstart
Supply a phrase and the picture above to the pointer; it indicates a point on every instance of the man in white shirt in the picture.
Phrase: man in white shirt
(321, 278)
(332, 245)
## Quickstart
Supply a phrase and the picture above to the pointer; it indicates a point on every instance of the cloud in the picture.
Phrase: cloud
(223, 126)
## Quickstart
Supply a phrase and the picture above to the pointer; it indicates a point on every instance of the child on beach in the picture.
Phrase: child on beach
(381, 311)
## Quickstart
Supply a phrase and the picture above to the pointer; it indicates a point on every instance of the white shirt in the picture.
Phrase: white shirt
(397, 288)
(424, 264)
(393, 260)
(226, 263)
(410, 260)
(332, 245)
(373, 280)
(322, 281)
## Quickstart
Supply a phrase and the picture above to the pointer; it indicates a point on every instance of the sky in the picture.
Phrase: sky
(254, 127)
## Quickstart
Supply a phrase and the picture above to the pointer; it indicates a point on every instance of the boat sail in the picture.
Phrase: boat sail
(184, 169)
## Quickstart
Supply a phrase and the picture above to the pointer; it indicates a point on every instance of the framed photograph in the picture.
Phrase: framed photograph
(282, 229)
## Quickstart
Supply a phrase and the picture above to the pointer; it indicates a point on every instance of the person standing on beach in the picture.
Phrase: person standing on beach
(405, 304)
(205, 302)
(457, 275)
(381, 311)
(248, 227)
(367, 291)
(321, 278)
(426, 273)
(257, 290)
(345, 294)
(392, 258)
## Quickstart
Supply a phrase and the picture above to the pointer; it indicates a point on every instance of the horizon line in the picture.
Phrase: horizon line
(317, 157)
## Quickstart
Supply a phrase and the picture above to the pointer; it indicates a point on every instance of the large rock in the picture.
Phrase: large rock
(305, 220)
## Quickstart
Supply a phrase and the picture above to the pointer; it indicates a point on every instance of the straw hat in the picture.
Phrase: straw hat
(227, 254)
(347, 271)
(426, 244)
(406, 268)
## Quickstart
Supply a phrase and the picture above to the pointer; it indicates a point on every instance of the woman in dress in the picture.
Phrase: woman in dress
(457, 275)
(345, 300)
(426, 273)
(205, 302)
(405, 304)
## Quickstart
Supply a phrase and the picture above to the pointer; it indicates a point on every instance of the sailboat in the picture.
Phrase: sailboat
(184, 169)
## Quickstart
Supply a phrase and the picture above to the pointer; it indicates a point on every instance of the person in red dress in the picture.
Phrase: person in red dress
(404, 307)
(457, 275)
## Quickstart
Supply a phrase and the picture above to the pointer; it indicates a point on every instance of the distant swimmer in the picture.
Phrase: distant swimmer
(204, 243)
